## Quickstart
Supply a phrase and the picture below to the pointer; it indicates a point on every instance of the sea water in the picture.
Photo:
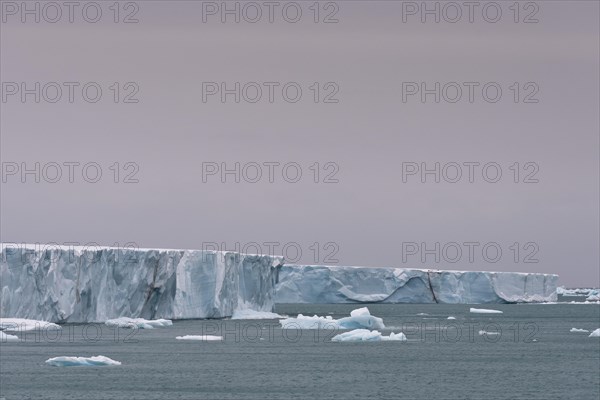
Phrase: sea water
(527, 352)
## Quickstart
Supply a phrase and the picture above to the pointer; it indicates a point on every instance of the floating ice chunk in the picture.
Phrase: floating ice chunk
(484, 311)
(486, 333)
(422, 314)
(596, 333)
(203, 338)
(358, 335)
(97, 361)
(360, 318)
(578, 330)
(359, 312)
(395, 336)
(361, 321)
(26, 325)
(451, 317)
(5, 337)
(141, 323)
(251, 314)
(593, 297)
(307, 322)
(365, 335)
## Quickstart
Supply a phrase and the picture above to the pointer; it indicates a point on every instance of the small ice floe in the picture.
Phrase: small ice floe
(596, 333)
(484, 311)
(579, 330)
(140, 323)
(421, 314)
(26, 325)
(365, 335)
(359, 318)
(593, 297)
(251, 314)
(451, 317)
(97, 361)
(486, 333)
(5, 337)
(202, 338)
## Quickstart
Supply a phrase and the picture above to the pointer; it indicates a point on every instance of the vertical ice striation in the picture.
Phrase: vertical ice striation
(79, 285)
(340, 284)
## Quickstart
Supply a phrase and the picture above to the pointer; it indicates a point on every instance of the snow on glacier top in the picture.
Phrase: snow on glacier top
(94, 246)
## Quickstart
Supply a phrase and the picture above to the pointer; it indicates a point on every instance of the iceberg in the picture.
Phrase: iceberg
(359, 318)
(202, 338)
(486, 333)
(97, 361)
(77, 284)
(251, 314)
(26, 325)
(451, 317)
(5, 337)
(484, 311)
(596, 333)
(343, 284)
(139, 323)
(579, 330)
(365, 335)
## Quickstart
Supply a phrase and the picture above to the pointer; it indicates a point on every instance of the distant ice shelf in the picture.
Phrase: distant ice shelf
(341, 284)
(77, 284)
(63, 284)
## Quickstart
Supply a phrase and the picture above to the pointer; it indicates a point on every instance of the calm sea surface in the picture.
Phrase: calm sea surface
(534, 356)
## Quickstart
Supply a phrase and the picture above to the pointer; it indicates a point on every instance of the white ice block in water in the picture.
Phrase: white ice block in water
(484, 311)
(5, 338)
(486, 333)
(359, 312)
(251, 314)
(365, 335)
(320, 284)
(451, 317)
(202, 338)
(26, 325)
(577, 330)
(77, 284)
(360, 318)
(596, 333)
(141, 323)
(97, 361)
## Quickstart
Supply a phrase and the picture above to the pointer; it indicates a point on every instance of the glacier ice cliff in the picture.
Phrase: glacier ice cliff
(340, 284)
(76, 284)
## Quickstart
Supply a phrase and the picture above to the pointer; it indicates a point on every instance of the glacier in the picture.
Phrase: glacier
(77, 284)
(345, 284)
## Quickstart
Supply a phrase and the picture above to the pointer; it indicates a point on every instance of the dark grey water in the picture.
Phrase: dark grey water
(534, 357)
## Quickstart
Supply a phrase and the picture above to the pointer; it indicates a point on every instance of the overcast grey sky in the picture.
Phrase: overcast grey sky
(364, 122)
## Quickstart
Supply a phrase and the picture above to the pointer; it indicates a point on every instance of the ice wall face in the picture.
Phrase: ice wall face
(337, 284)
(78, 285)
